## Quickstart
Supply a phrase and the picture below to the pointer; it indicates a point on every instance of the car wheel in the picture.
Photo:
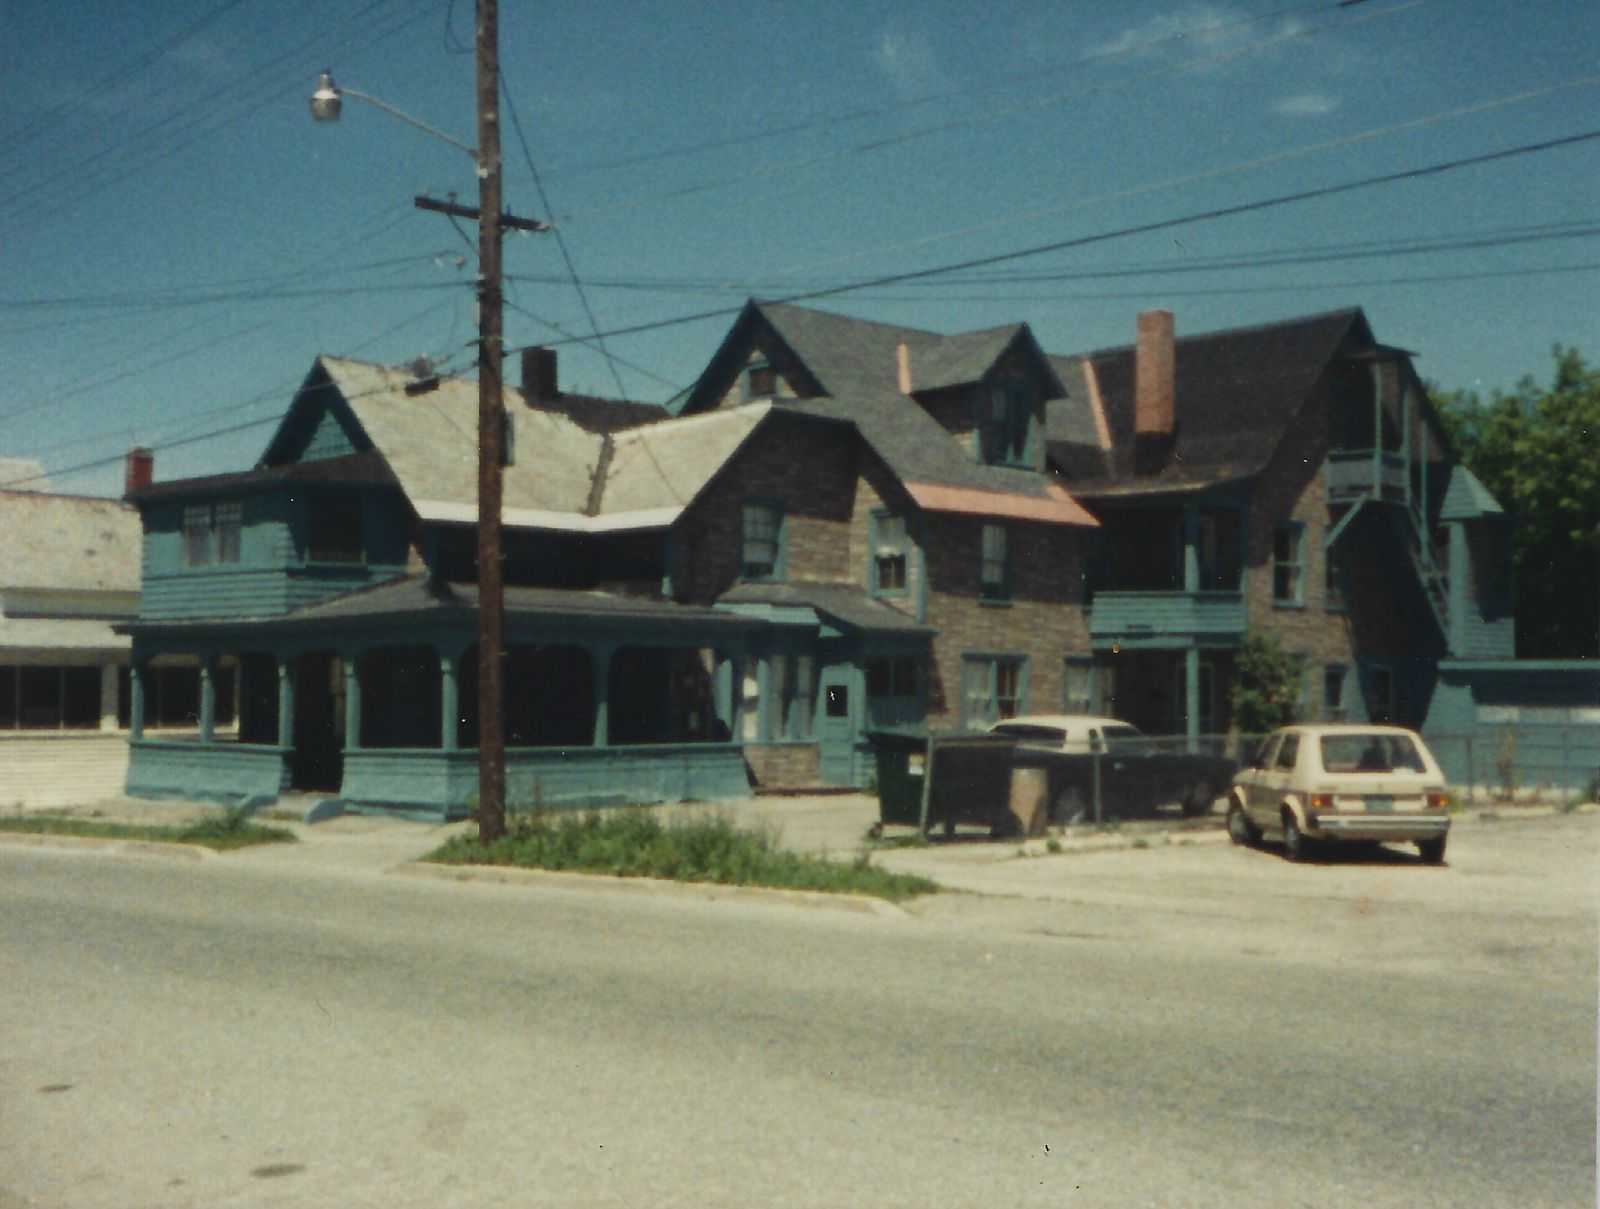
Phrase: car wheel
(1295, 844)
(1240, 829)
(1432, 850)
(1070, 807)
(1200, 800)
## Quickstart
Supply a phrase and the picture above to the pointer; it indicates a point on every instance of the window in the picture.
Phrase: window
(197, 535)
(892, 676)
(211, 533)
(227, 521)
(1288, 752)
(335, 521)
(1335, 574)
(49, 698)
(1287, 565)
(791, 696)
(1077, 686)
(760, 381)
(1006, 422)
(992, 688)
(762, 534)
(1333, 677)
(995, 578)
(890, 553)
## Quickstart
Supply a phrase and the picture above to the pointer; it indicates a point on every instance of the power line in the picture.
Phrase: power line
(1166, 224)
(561, 240)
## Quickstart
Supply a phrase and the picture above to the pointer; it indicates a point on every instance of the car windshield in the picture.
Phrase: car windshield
(1374, 752)
(1122, 738)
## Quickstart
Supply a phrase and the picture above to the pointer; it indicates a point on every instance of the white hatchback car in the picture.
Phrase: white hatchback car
(1367, 784)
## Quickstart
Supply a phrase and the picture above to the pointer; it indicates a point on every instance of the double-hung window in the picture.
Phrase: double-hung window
(992, 688)
(1288, 565)
(761, 544)
(1333, 708)
(211, 533)
(1006, 422)
(994, 581)
(890, 554)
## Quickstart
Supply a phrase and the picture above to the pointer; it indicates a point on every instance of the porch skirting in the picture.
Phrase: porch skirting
(206, 772)
(435, 783)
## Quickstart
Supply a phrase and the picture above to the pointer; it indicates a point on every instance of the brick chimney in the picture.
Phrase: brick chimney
(539, 376)
(139, 470)
(1155, 376)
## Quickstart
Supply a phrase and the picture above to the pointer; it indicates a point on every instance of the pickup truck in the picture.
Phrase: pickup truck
(1133, 773)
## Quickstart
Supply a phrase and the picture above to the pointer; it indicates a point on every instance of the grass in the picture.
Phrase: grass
(221, 833)
(705, 848)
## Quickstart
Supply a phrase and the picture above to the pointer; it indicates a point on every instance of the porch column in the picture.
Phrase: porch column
(208, 697)
(285, 700)
(108, 696)
(352, 699)
(1191, 548)
(1191, 696)
(449, 700)
(136, 670)
(600, 667)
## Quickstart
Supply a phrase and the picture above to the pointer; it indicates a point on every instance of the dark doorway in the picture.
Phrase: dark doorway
(318, 762)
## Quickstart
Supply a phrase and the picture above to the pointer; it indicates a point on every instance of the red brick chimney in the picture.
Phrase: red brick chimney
(1155, 376)
(139, 470)
(539, 376)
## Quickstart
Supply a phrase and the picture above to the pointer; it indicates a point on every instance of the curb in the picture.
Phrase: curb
(860, 904)
(104, 843)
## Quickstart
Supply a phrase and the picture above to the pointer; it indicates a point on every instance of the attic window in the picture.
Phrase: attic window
(1006, 422)
(760, 381)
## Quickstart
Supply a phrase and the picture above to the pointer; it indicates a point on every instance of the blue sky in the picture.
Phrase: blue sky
(180, 240)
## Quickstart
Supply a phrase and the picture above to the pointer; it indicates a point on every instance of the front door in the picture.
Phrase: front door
(837, 710)
(318, 722)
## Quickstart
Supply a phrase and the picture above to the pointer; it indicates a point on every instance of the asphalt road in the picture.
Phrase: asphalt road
(1197, 1026)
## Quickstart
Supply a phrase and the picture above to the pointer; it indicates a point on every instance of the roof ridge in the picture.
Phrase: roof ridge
(1219, 333)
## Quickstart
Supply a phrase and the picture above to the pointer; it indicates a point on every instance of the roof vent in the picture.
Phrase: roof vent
(423, 379)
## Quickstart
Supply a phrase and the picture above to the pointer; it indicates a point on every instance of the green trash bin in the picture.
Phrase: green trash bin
(902, 765)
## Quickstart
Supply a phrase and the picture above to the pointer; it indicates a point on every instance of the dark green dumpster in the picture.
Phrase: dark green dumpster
(927, 779)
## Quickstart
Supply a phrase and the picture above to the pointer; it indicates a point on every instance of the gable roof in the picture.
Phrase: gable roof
(1237, 391)
(1467, 498)
(68, 543)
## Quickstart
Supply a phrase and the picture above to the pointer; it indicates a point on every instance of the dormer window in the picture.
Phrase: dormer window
(760, 381)
(211, 533)
(1005, 422)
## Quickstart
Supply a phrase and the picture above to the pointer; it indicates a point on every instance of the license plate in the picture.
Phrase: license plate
(1380, 803)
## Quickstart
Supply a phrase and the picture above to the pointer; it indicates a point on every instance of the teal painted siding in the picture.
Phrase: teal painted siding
(271, 577)
(330, 437)
(221, 772)
(1171, 618)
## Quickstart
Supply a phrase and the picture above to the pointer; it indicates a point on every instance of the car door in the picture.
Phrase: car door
(1253, 779)
(1276, 778)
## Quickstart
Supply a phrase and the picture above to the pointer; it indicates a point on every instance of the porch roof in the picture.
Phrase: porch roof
(846, 604)
(414, 599)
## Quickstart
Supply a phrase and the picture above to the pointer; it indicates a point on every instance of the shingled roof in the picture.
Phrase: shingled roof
(68, 543)
(1237, 393)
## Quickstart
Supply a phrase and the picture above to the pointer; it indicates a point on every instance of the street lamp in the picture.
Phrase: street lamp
(326, 104)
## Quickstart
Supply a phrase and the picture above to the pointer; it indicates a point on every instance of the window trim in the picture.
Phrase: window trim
(1296, 568)
(875, 546)
(992, 660)
(995, 591)
(779, 540)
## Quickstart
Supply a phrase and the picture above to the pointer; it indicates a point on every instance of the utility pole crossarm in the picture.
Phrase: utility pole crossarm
(456, 210)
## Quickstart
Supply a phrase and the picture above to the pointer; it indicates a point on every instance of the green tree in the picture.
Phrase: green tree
(1538, 451)
(1266, 685)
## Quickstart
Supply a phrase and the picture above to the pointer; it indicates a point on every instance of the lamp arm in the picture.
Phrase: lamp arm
(408, 119)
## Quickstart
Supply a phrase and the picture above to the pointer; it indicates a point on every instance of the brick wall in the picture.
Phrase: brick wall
(806, 467)
(783, 765)
(1044, 621)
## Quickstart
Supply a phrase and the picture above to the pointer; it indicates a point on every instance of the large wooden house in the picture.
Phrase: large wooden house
(844, 526)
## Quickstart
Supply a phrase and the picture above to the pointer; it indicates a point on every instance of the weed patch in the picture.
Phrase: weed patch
(222, 833)
(637, 843)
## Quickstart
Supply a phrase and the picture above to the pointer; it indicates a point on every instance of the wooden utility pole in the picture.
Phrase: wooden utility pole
(491, 436)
